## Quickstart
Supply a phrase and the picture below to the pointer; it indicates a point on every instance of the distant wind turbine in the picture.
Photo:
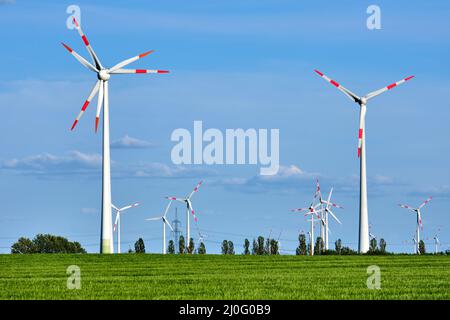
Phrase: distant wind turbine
(165, 222)
(419, 224)
(117, 223)
(189, 209)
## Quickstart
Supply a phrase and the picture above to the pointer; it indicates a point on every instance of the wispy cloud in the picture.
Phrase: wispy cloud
(76, 162)
(127, 142)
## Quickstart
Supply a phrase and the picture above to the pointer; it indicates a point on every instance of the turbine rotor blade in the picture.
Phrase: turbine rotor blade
(127, 71)
(167, 208)
(195, 189)
(129, 207)
(87, 44)
(128, 61)
(80, 59)
(425, 202)
(362, 117)
(347, 92)
(86, 103)
(117, 220)
(389, 87)
(335, 218)
(99, 104)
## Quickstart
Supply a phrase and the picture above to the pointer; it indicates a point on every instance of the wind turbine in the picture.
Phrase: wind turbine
(362, 102)
(117, 223)
(101, 87)
(419, 219)
(164, 221)
(189, 209)
(436, 244)
(312, 210)
(326, 205)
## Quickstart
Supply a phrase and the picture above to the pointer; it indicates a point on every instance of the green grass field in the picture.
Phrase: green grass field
(149, 276)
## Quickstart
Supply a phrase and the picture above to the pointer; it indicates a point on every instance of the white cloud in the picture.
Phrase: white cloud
(76, 162)
(127, 142)
(48, 164)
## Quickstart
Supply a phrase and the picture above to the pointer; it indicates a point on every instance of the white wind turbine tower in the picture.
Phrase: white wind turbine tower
(164, 223)
(363, 243)
(419, 219)
(117, 223)
(101, 87)
(189, 209)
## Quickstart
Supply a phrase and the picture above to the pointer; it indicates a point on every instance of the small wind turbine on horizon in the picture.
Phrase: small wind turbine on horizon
(117, 223)
(165, 222)
(363, 244)
(326, 204)
(101, 87)
(419, 224)
(312, 210)
(189, 209)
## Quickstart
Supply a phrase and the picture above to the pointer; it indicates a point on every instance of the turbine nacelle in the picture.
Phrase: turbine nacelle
(103, 75)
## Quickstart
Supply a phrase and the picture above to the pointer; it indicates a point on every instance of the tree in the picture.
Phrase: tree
(246, 247)
(191, 246)
(139, 246)
(23, 245)
(373, 245)
(422, 247)
(230, 247)
(181, 245)
(255, 247)
(201, 248)
(301, 249)
(171, 247)
(46, 243)
(274, 247)
(382, 246)
(338, 246)
(318, 247)
(261, 249)
(224, 247)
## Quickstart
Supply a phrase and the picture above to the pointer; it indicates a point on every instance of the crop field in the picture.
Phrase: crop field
(151, 276)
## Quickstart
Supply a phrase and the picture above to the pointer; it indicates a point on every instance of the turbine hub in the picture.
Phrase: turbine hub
(104, 75)
(363, 100)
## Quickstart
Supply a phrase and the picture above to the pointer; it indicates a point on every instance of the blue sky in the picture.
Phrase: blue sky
(234, 64)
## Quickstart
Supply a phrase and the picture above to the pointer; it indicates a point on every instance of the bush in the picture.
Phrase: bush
(46, 243)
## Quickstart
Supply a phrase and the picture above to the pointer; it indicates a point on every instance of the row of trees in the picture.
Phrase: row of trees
(182, 249)
(47, 243)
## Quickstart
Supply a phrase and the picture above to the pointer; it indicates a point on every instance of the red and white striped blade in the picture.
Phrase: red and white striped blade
(318, 192)
(299, 209)
(99, 104)
(347, 92)
(126, 71)
(361, 129)
(130, 206)
(80, 59)
(88, 45)
(425, 202)
(86, 103)
(195, 189)
(336, 205)
(117, 220)
(128, 61)
(389, 87)
(176, 199)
